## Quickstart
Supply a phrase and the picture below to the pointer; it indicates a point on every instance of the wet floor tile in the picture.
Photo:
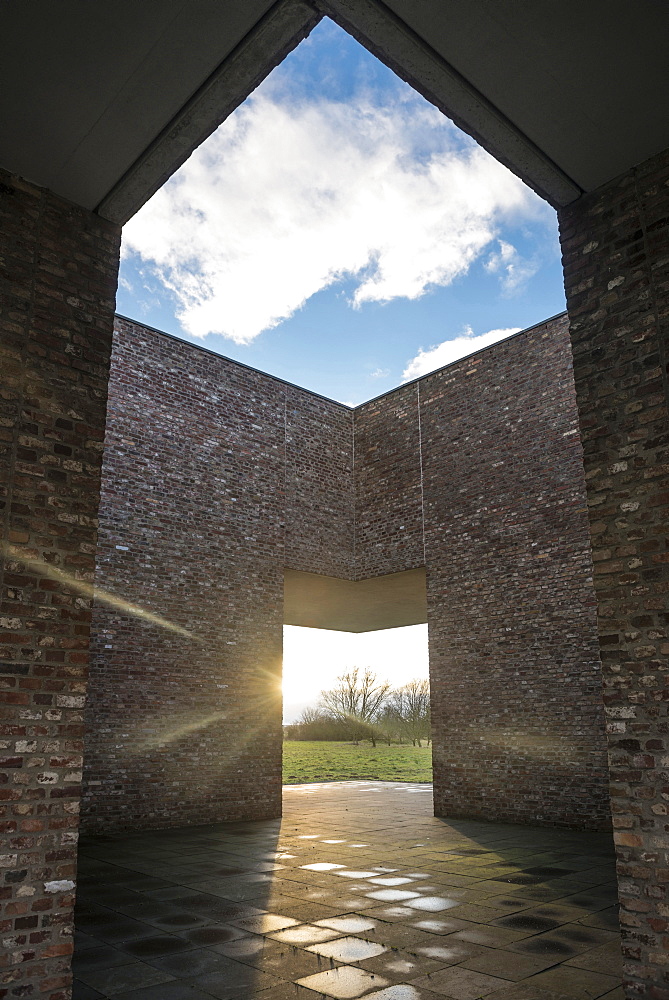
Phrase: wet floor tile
(577, 983)
(348, 949)
(606, 958)
(402, 966)
(389, 880)
(190, 963)
(435, 925)
(80, 991)
(197, 886)
(235, 982)
(392, 895)
(390, 913)
(322, 866)
(349, 873)
(527, 921)
(343, 983)
(207, 936)
(491, 937)
(461, 984)
(124, 978)
(305, 934)
(397, 992)
(434, 904)
(450, 952)
(265, 923)
(507, 964)
(157, 944)
(348, 925)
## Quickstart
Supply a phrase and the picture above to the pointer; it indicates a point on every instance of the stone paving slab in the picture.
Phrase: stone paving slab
(357, 892)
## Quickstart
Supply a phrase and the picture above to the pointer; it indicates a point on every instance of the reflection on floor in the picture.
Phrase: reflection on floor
(358, 891)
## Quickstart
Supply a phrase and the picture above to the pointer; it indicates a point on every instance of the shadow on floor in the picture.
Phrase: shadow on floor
(358, 891)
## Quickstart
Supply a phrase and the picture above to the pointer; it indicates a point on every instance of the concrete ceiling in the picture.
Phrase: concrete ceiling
(102, 101)
(380, 602)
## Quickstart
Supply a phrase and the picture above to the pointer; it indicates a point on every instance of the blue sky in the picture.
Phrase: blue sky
(338, 232)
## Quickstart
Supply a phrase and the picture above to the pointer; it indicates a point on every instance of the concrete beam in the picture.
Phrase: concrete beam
(381, 602)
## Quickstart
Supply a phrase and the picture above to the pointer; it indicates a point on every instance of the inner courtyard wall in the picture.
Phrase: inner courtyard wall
(216, 477)
(476, 472)
(203, 459)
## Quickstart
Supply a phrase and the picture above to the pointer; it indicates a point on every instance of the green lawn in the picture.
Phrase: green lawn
(305, 761)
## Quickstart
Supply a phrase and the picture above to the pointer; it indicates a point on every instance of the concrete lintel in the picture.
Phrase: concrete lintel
(276, 34)
(389, 38)
(380, 602)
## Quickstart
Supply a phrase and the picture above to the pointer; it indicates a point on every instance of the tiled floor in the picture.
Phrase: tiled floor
(358, 891)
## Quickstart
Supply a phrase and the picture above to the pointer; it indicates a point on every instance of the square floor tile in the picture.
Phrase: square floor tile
(392, 895)
(348, 949)
(606, 958)
(348, 925)
(168, 991)
(507, 964)
(491, 937)
(450, 952)
(577, 983)
(305, 934)
(356, 874)
(400, 966)
(189, 964)
(80, 991)
(433, 904)
(343, 983)
(123, 978)
(399, 991)
(389, 880)
(461, 984)
(266, 923)
(322, 866)
(236, 982)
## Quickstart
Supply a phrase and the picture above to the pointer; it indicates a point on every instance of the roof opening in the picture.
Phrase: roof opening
(338, 231)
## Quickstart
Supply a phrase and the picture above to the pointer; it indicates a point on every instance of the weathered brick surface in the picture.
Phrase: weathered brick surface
(217, 476)
(320, 501)
(486, 452)
(57, 288)
(203, 458)
(616, 258)
(388, 502)
(517, 702)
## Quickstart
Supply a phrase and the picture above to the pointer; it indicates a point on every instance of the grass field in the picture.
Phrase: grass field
(305, 761)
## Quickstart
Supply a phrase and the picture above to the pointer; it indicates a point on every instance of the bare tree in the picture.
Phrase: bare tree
(408, 710)
(357, 700)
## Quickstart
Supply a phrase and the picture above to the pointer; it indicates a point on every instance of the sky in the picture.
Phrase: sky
(313, 659)
(339, 232)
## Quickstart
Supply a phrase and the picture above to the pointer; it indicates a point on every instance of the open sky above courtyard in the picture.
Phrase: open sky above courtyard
(341, 233)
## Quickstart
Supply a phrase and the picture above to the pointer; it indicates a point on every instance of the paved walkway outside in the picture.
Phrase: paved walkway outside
(358, 891)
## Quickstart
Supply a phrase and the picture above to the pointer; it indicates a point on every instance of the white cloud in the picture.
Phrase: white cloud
(452, 350)
(282, 201)
(514, 271)
(380, 373)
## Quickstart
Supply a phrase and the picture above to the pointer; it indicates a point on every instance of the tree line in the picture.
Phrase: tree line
(361, 707)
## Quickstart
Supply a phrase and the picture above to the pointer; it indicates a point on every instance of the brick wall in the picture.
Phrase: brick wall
(389, 503)
(203, 459)
(320, 501)
(616, 258)
(57, 289)
(486, 452)
(216, 476)
(519, 727)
